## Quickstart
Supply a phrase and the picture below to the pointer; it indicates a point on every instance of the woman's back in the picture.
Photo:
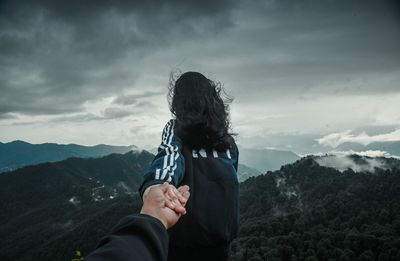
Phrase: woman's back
(211, 222)
(198, 150)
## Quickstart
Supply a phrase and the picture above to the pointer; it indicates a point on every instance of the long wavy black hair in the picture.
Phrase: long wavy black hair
(201, 110)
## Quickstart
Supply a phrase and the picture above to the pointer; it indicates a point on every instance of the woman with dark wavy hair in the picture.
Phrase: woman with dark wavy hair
(201, 113)
(197, 149)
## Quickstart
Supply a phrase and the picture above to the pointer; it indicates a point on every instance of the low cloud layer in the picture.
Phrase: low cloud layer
(344, 162)
(335, 139)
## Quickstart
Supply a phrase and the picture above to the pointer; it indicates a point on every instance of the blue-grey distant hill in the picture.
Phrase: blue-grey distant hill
(256, 161)
(18, 153)
(266, 159)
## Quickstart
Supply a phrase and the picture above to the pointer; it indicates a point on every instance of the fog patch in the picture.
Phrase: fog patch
(357, 163)
(74, 201)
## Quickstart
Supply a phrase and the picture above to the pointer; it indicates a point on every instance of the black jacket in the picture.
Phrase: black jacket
(137, 237)
(213, 207)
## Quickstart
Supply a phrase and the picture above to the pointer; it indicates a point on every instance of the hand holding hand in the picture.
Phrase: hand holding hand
(164, 203)
(178, 198)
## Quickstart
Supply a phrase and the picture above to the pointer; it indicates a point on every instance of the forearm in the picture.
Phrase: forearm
(168, 165)
(136, 237)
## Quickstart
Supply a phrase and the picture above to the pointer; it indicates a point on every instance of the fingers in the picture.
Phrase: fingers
(175, 200)
(184, 188)
(175, 194)
(180, 210)
(169, 204)
(184, 192)
(175, 205)
(172, 193)
(186, 195)
(180, 196)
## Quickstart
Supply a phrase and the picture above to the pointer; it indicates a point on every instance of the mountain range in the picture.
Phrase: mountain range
(303, 211)
(48, 209)
(19, 153)
(266, 159)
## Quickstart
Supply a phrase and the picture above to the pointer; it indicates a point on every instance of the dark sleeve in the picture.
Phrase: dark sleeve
(168, 165)
(137, 237)
(235, 156)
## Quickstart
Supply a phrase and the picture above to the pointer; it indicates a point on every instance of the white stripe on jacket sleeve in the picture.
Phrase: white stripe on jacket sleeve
(171, 153)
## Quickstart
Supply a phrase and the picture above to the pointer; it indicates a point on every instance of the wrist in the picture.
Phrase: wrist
(154, 215)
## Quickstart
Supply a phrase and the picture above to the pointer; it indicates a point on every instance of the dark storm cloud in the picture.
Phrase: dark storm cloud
(55, 55)
(325, 47)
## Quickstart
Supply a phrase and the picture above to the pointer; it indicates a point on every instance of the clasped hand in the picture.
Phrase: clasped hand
(166, 203)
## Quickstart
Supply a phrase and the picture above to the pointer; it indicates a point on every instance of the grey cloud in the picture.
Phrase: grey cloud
(344, 162)
(7, 116)
(317, 47)
(107, 114)
(135, 98)
(114, 112)
(307, 143)
(57, 54)
(373, 130)
(80, 117)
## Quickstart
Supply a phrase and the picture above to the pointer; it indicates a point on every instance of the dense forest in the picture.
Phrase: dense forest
(303, 211)
(52, 209)
(308, 212)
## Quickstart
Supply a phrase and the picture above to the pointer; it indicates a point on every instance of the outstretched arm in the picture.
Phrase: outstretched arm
(168, 165)
(142, 236)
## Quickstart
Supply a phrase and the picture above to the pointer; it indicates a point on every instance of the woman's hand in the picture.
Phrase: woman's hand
(163, 202)
(177, 198)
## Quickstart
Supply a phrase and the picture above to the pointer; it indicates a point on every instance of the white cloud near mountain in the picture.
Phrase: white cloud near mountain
(343, 162)
(335, 139)
(366, 153)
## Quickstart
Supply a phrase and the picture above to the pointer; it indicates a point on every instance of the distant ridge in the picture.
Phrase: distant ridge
(257, 161)
(266, 159)
(18, 153)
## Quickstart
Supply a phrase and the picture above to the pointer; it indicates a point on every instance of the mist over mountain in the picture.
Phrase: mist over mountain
(305, 144)
(391, 147)
(357, 163)
(18, 153)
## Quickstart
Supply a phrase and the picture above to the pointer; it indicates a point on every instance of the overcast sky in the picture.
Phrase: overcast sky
(300, 71)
